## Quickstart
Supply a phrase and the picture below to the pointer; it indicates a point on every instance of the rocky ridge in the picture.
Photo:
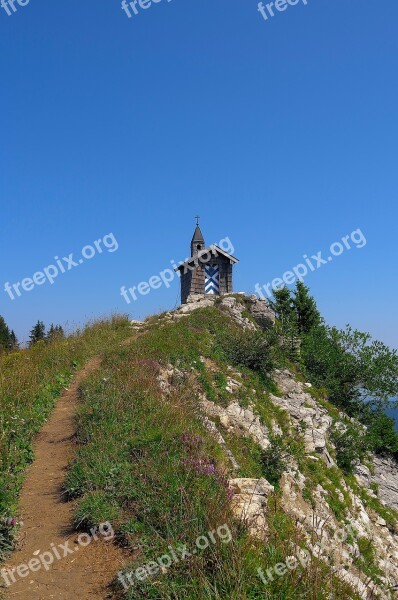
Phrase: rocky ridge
(315, 519)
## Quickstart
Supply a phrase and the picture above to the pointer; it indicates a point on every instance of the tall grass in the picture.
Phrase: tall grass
(30, 382)
(146, 463)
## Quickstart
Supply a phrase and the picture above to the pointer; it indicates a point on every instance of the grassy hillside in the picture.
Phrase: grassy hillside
(146, 463)
(30, 382)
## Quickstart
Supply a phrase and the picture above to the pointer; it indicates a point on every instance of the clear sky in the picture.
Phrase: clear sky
(282, 134)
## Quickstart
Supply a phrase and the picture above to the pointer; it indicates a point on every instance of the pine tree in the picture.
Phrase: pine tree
(38, 333)
(283, 307)
(59, 331)
(51, 333)
(282, 304)
(55, 332)
(308, 315)
(13, 341)
(4, 335)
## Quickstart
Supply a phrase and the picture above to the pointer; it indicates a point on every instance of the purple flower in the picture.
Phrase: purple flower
(192, 440)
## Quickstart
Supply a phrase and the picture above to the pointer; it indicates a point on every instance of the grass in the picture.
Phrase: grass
(30, 382)
(331, 479)
(386, 513)
(146, 463)
(367, 559)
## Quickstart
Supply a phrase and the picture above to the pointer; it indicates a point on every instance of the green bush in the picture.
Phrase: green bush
(251, 349)
(382, 435)
(352, 445)
(274, 460)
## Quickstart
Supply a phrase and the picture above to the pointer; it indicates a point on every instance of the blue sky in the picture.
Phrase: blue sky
(280, 134)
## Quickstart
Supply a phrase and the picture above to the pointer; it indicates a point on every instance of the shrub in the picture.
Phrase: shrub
(274, 460)
(251, 349)
(382, 435)
(351, 444)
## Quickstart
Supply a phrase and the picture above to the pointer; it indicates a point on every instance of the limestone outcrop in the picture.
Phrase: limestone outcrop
(258, 308)
(385, 476)
(242, 421)
(306, 414)
(336, 521)
(249, 503)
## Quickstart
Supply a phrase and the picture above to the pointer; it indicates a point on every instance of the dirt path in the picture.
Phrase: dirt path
(86, 571)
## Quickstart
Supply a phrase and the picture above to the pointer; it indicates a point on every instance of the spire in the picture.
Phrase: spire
(197, 242)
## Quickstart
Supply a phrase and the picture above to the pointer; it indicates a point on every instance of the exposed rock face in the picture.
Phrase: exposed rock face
(212, 428)
(386, 477)
(242, 421)
(335, 543)
(326, 537)
(306, 414)
(333, 540)
(261, 310)
(169, 376)
(195, 304)
(236, 310)
(364, 477)
(249, 503)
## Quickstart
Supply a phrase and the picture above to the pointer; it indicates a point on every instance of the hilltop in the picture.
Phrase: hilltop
(224, 470)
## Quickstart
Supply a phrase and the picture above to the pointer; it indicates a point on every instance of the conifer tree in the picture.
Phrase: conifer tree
(38, 333)
(5, 335)
(13, 342)
(59, 331)
(283, 304)
(307, 313)
(283, 307)
(55, 332)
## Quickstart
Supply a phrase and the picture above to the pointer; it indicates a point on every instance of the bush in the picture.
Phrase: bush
(382, 435)
(358, 376)
(274, 460)
(251, 349)
(352, 445)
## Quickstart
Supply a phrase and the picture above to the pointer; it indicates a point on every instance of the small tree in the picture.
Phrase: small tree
(251, 349)
(286, 325)
(307, 313)
(282, 304)
(4, 335)
(352, 445)
(329, 366)
(8, 339)
(38, 333)
(55, 333)
(274, 460)
(13, 341)
(381, 433)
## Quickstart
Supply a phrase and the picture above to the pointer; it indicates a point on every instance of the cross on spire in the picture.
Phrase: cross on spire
(197, 220)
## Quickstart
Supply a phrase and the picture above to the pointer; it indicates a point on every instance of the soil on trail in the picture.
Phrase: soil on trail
(86, 571)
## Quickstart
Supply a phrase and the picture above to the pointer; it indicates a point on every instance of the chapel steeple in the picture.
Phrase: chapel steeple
(197, 242)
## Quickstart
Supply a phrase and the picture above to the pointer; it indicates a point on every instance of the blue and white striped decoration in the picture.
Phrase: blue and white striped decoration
(212, 279)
